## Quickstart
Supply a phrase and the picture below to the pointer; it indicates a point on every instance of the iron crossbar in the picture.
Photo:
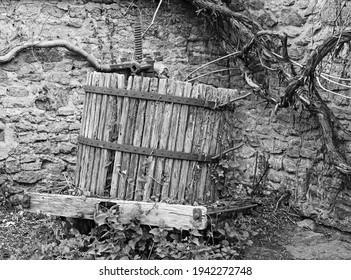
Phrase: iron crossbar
(143, 150)
(151, 96)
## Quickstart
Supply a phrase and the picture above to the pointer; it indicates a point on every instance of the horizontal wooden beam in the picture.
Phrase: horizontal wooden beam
(149, 213)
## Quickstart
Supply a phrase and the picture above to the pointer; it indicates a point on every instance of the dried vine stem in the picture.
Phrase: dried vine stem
(52, 44)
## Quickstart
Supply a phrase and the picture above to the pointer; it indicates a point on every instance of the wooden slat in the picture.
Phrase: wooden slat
(104, 134)
(154, 176)
(214, 143)
(194, 169)
(200, 139)
(119, 178)
(191, 138)
(98, 158)
(132, 173)
(93, 156)
(168, 139)
(172, 144)
(86, 159)
(188, 115)
(81, 148)
(150, 139)
(129, 183)
(154, 214)
(120, 131)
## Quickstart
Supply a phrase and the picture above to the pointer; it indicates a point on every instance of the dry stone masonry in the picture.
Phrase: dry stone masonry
(41, 90)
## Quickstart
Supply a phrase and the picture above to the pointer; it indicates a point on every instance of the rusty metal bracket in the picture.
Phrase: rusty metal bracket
(197, 214)
(143, 150)
(151, 96)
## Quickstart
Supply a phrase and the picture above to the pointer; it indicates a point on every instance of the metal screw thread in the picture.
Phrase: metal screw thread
(138, 43)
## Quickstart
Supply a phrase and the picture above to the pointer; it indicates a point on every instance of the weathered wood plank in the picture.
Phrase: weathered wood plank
(136, 123)
(186, 130)
(136, 160)
(173, 167)
(119, 135)
(81, 148)
(155, 214)
(203, 195)
(150, 140)
(85, 175)
(154, 176)
(93, 157)
(167, 142)
(104, 134)
(191, 140)
(119, 172)
(198, 143)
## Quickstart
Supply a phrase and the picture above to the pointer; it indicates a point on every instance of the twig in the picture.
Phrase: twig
(153, 18)
(216, 157)
(211, 72)
(334, 82)
(232, 101)
(254, 177)
(337, 78)
(332, 92)
(208, 63)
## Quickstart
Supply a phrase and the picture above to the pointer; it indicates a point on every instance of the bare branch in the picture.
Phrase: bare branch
(52, 44)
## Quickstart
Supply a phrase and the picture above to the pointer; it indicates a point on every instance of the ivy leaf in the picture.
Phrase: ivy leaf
(100, 219)
(196, 241)
(195, 232)
(155, 232)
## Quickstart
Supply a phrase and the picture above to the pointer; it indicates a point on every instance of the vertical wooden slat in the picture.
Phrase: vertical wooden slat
(165, 138)
(178, 190)
(177, 141)
(205, 143)
(100, 115)
(104, 135)
(162, 163)
(172, 133)
(86, 171)
(81, 148)
(191, 140)
(156, 113)
(188, 126)
(128, 183)
(139, 84)
(161, 122)
(94, 157)
(121, 111)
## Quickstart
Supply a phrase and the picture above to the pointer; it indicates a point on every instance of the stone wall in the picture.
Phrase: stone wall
(41, 91)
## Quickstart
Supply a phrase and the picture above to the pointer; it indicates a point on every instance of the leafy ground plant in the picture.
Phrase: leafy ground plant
(37, 236)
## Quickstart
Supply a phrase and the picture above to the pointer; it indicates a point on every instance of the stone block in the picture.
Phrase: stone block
(29, 177)
(65, 111)
(291, 17)
(67, 148)
(31, 166)
(12, 165)
(247, 152)
(290, 165)
(17, 92)
(58, 127)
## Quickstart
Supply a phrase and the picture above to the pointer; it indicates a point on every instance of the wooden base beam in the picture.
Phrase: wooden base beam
(149, 213)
